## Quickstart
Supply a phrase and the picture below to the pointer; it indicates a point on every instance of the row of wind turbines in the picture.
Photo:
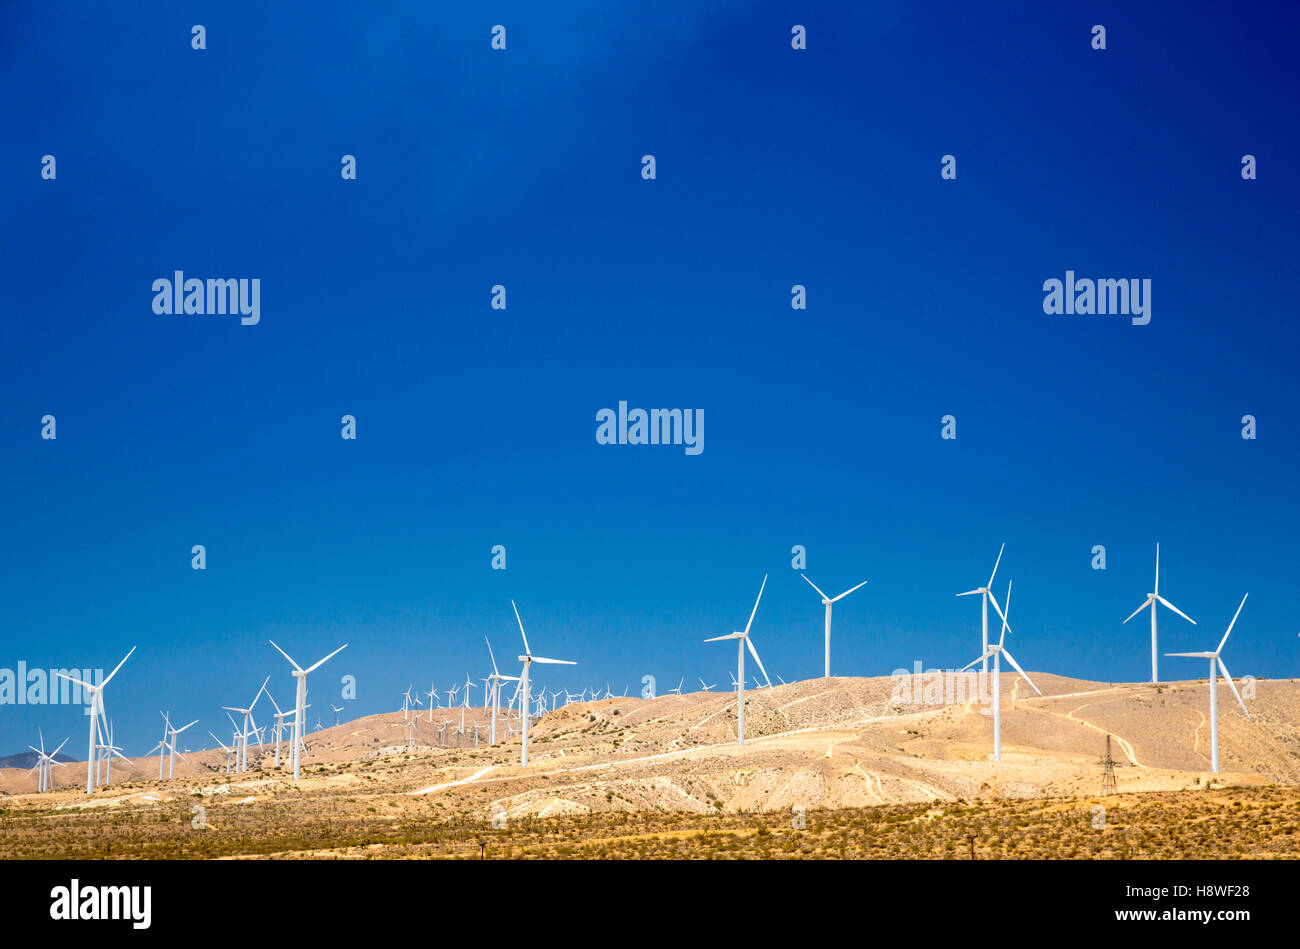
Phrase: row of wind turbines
(521, 706)
(998, 650)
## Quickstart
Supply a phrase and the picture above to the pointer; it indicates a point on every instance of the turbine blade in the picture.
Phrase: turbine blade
(994, 600)
(1176, 609)
(1228, 675)
(728, 636)
(286, 655)
(521, 627)
(326, 659)
(84, 685)
(1139, 609)
(814, 586)
(555, 662)
(755, 609)
(995, 566)
(987, 655)
(847, 592)
(119, 666)
(494, 658)
(1193, 655)
(754, 652)
(259, 693)
(1157, 587)
(1006, 627)
(1225, 635)
(971, 592)
(1012, 659)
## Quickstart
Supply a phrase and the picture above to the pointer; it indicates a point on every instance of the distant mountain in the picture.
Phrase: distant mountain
(27, 760)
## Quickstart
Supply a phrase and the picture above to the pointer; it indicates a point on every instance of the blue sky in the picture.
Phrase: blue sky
(476, 426)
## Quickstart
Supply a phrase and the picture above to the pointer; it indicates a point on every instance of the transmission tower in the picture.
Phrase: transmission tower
(1108, 785)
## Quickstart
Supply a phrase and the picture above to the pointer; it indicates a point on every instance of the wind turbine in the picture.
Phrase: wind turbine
(171, 766)
(44, 779)
(1152, 599)
(108, 751)
(986, 592)
(706, 686)
(996, 653)
(469, 684)
(1216, 663)
(678, 690)
(248, 717)
(528, 659)
(433, 700)
(300, 674)
(278, 730)
(96, 702)
(336, 711)
(230, 751)
(496, 679)
(827, 601)
(742, 640)
(406, 702)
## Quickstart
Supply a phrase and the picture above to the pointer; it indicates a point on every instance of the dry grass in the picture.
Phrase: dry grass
(1227, 823)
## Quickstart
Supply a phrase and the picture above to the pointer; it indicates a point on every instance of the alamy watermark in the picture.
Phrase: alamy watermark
(25, 686)
(653, 427)
(1101, 297)
(215, 297)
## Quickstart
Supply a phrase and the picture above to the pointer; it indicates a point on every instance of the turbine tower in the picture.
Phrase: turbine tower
(743, 640)
(986, 592)
(995, 653)
(96, 703)
(827, 601)
(1216, 663)
(496, 679)
(301, 674)
(1152, 599)
(528, 659)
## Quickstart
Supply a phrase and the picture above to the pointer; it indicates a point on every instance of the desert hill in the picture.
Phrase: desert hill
(820, 743)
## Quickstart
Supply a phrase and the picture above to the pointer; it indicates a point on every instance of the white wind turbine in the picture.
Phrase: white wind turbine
(678, 690)
(277, 731)
(706, 686)
(986, 593)
(469, 684)
(248, 718)
(96, 703)
(300, 674)
(336, 710)
(1152, 599)
(161, 747)
(528, 659)
(996, 653)
(496, 679)
(406, 702)
(1216, 663)
(228, 751)
(171, 765)
(827, 601)
(742, 640)
(44, 780)
(433, 701)
(107, 751)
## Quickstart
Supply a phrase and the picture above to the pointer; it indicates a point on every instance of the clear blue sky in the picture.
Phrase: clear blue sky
(476, 427)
